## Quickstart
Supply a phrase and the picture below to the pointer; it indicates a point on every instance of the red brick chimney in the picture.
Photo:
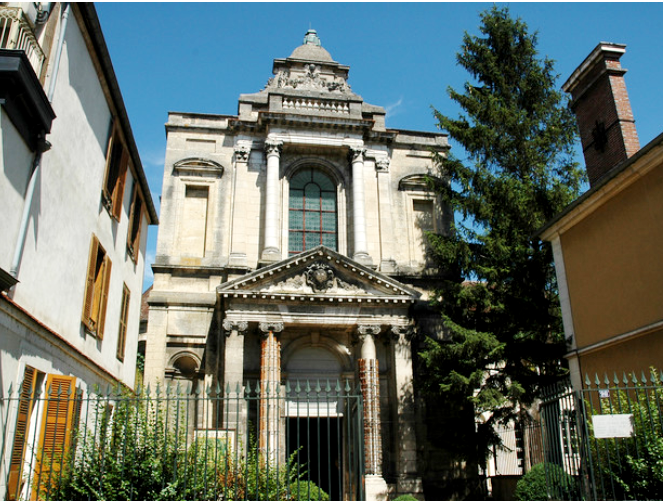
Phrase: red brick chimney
(601, 105)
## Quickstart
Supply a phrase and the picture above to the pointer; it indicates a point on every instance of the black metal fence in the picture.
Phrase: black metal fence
(299, 441)
(605, 442)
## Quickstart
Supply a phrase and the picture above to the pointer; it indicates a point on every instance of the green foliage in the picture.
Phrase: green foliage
(535, 483)
(632, 468)
(499, 303)
(138, 448)
(406, 497)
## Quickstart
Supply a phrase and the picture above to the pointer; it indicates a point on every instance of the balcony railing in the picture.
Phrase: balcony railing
(16, 33)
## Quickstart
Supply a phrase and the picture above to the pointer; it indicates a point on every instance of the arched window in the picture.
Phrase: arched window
(312, 211)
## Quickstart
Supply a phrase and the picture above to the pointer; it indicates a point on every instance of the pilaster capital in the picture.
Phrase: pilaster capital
(273, 327)
(357, 154)
(273, 147)
(382, 164)
(242, 153)
(240, 327)
(401, 333)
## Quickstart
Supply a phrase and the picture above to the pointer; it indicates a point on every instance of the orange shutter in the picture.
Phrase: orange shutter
(25, 406)
(55, 436)
(138, 216)
(104, 297)
(118, 190)
(89, 285)
(124, 317)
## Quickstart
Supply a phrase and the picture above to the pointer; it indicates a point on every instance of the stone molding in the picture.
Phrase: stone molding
(368, 330)
(401, 333)
(382, 165)
(357, 154)
(242, 153)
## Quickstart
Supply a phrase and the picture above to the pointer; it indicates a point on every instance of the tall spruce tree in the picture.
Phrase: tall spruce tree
(499, 301)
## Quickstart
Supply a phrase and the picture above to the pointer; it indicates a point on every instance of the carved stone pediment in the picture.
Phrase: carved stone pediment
(321, 274)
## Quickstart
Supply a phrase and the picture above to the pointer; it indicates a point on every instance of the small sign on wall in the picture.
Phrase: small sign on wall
(613, 425)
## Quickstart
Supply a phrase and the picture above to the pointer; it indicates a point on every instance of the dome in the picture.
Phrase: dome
(311, 49)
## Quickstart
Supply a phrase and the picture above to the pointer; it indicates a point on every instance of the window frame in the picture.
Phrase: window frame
(117, 164)
(97, 284)
(303, 210)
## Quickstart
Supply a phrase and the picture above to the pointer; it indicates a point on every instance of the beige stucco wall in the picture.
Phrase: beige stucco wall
(613, 263)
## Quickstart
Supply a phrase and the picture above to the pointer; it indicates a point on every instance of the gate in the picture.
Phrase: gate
(299, 441)
(605, 442)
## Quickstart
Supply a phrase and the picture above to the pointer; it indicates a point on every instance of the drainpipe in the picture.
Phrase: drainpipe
(42, 146)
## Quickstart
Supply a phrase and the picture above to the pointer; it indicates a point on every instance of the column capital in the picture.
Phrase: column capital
(273, 147)
(230, 325)
(273, 327)
(357, 153)
(242, 153)
(368, 330)
(401, 333)
(382, 164)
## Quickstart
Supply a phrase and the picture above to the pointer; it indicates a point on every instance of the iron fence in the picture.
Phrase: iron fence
(297, 441)
(605, 442)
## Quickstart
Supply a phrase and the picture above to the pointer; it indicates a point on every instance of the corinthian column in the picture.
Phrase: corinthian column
(272, 250)
(270, 381)
(359, 207)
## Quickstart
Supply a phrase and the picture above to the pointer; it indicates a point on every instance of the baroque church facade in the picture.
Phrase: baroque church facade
(292, 247)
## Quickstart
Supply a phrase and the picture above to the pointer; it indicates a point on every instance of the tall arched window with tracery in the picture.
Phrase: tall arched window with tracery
(312, 211)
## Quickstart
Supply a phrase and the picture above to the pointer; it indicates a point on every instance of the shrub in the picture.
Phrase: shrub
(406, 497)
(534, 487)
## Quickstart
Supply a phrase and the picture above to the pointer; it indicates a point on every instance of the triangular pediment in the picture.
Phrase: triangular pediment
(318, 273)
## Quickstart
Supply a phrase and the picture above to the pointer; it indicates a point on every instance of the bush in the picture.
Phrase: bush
(534, 487)
(406, 497)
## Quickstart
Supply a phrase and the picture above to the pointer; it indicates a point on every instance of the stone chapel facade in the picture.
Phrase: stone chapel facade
(292, 246)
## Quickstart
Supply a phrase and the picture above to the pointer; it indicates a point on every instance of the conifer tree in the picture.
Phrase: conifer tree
(503, 336)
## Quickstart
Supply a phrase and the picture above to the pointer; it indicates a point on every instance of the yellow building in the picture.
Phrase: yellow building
(608, 243)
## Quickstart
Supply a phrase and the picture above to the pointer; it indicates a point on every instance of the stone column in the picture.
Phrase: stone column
(237, 209)
(233, 411)
(369, 377)
(359, 210)
(272, 250)
(388, 241)
(270, 381)
(408, 480)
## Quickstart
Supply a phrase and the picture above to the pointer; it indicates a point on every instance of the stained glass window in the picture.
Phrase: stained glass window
(312, 214)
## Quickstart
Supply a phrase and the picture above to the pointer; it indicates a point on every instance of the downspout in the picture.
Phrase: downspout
(42, 146)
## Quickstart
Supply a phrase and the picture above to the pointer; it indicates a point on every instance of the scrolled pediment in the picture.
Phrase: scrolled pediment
(198, 167)
(418, 182)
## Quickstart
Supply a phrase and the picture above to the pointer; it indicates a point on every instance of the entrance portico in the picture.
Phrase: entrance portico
(321, 314)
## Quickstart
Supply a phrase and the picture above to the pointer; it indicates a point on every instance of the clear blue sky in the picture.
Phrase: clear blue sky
(199, 57)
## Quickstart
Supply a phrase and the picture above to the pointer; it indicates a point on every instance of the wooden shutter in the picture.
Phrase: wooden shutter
(104, 297)
(55, 436)
(137, 226)
(89, 285)
(118, 190)
(25, 406)
(124, 317)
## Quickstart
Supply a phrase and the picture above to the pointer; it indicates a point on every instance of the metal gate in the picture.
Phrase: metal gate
(298, 441)
(605, 442)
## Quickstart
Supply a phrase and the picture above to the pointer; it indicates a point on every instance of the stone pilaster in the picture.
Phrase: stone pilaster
(233, 412)
(270, 381)
(238, 210)
(272, 250)
(359, 210)
(387, 237)
(408, 480)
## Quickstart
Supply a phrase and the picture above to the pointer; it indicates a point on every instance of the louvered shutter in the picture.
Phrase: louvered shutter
(89, 285)
(25, 406)
(55, 436)
(104, 297)
(118, 190)
(138, 223)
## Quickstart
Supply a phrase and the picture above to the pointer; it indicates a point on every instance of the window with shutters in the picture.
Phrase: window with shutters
(135, 223)
(32, 379)
(96, 289)
(124, 316)
(56, 432)
(117, 160)
(312, 211)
